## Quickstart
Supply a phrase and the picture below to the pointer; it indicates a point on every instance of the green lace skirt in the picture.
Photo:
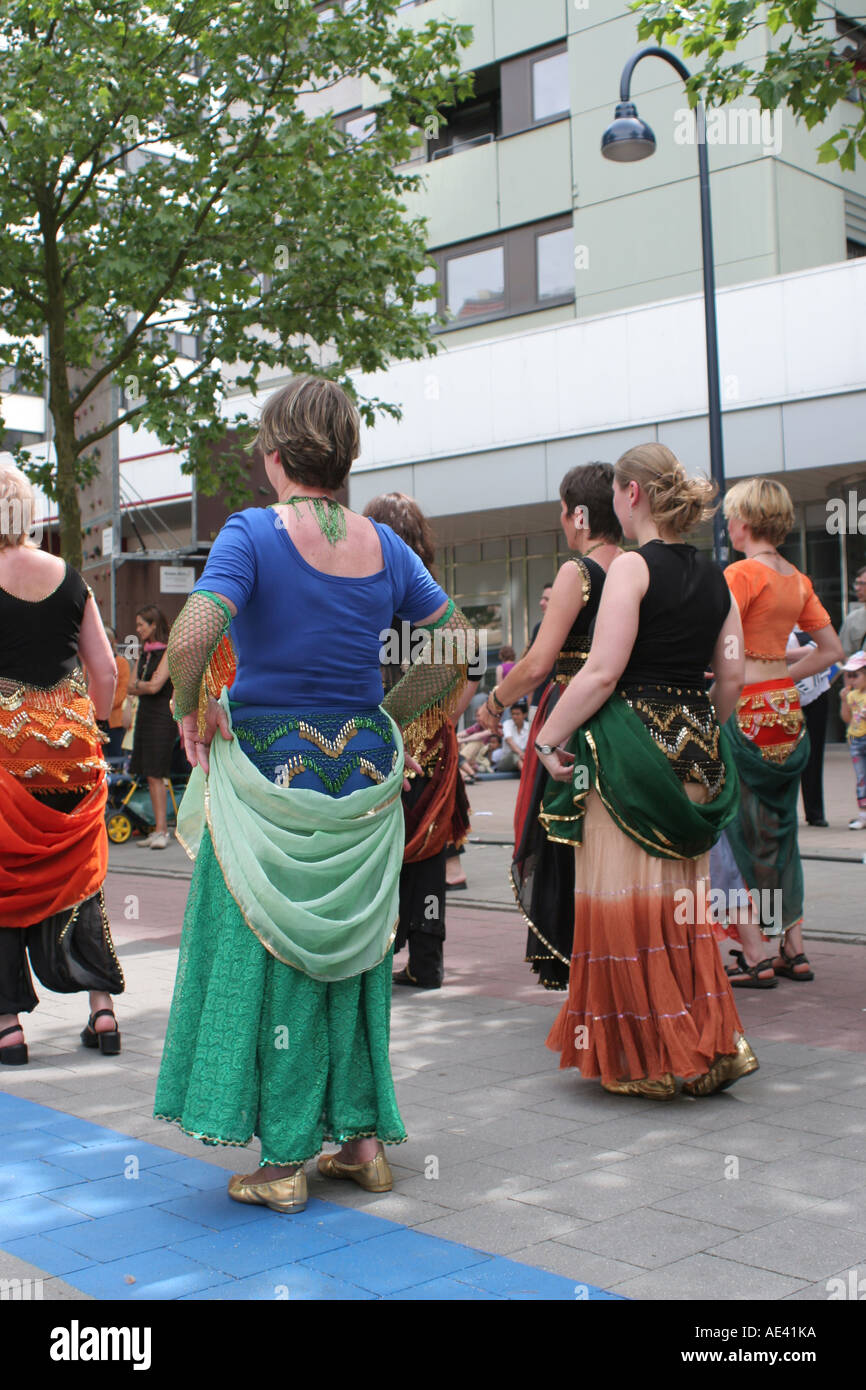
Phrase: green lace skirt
(254, 1047)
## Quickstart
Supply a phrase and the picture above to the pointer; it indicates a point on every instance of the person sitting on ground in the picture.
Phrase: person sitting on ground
(515, 735)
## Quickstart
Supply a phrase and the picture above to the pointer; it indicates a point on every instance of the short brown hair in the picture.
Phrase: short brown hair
(677, 502)
(315, 430)
(764, 506)
(591, 486)
(406, 519)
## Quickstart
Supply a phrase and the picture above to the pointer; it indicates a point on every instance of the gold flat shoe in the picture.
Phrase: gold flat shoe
(665, 1089)
(724, 1072)
(373, 1176)
(283, 1194)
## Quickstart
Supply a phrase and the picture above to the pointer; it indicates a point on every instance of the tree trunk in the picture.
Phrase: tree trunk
(67, 487)
(66, 481)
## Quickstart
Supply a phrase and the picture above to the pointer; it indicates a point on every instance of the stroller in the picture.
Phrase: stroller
(129, 806)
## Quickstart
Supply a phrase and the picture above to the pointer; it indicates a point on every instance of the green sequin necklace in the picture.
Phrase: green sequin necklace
(330, 517)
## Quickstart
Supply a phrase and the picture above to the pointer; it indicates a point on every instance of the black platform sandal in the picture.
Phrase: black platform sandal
(108, 1042)
(16, 1054)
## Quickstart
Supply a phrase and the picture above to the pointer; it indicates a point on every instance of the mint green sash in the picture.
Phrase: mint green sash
(316, 877)
(614, 753)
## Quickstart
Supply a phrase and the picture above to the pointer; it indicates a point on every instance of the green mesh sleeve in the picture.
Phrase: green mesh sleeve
(195, 636)
(427, 694)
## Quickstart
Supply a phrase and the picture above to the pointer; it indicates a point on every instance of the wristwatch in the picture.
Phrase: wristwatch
(545, 749)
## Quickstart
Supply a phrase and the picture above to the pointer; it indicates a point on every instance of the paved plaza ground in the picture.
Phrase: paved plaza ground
(518, 1181)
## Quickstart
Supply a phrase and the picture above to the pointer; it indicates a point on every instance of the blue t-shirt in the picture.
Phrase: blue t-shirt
(306, 640)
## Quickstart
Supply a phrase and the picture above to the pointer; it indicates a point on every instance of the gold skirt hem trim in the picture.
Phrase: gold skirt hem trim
(533, 928)
(280, 1162)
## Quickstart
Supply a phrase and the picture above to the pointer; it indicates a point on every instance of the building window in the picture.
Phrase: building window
(535, 89)
(554, 264)
(358, 124)
(471, 122)
(525, 268)
(475, 284)
(855, 249)
(550, 86)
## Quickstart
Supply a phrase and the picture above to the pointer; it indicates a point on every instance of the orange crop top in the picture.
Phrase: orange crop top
(771, 605)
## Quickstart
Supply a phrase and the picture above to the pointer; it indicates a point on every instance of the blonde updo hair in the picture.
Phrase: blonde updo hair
(677, 502)
(17, 507)
(762, 505)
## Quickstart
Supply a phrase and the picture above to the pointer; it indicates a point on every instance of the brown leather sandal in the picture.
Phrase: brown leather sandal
(752, 973)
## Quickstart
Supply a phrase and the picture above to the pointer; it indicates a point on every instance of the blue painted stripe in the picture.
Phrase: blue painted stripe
(119, 1218)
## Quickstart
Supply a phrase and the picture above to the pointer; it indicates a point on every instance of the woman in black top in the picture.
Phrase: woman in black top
(651, 790)
(53, 844)
(542, 871)
(155, 733)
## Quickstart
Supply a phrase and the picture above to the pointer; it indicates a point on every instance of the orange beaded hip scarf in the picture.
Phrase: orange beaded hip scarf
(50, 860)
(49, 739)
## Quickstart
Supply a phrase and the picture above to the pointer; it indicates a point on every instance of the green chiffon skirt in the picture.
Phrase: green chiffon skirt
(255, 1048)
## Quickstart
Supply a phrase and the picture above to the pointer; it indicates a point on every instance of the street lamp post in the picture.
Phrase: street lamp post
(629, 138)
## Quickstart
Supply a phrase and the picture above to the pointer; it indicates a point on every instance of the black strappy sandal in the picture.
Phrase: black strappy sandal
(16, 1054)
(107, 1042)
(752, 971)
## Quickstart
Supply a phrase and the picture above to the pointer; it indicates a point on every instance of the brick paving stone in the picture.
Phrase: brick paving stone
(584, 1266)
(803, 1249)
(466, 1185)
(848, 1211)
(556, 1158)
(743, 1205)
(824, 1117)
(708, 1277)
(638, 1134)
(597, 1194)
(838, 1287)
(649, 1238)
(685, 1166)
(814, 1173)
(755, 1139)
(500, 1226)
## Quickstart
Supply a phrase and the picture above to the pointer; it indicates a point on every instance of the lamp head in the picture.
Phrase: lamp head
(627, 137)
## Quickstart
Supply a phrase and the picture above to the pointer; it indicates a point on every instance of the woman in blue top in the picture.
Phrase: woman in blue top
(279, 1025)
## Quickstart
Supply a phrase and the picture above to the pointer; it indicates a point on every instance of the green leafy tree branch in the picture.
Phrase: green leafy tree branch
(811, 69)
(160, 174)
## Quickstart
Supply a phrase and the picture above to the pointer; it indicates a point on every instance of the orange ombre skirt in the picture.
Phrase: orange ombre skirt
(647, 991)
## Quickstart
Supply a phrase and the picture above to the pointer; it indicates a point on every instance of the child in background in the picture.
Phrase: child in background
(853, 713)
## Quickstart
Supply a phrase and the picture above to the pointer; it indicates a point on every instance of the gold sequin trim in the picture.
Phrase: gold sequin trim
(533, 928)
(585, 579)
(40, 697)
(697, 728)
(332, 746)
